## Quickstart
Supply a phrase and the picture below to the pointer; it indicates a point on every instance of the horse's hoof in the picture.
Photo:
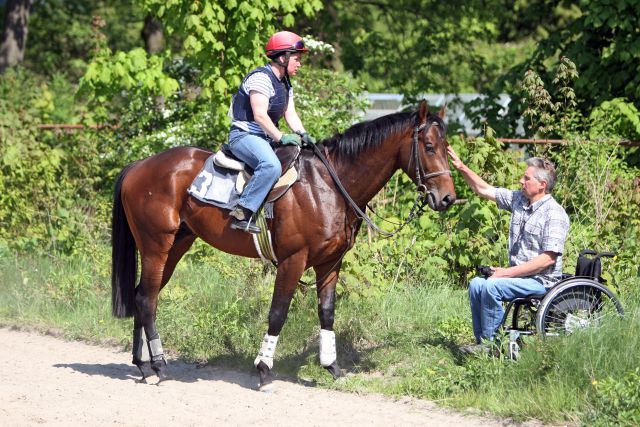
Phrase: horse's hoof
(266, 377)
(335, 370)
(141, 367)
(160, 368)
(268, 388)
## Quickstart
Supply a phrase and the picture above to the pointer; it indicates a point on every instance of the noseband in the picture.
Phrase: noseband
(421, 176)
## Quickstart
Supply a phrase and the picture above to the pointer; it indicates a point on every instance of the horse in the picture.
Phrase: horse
(313, 224)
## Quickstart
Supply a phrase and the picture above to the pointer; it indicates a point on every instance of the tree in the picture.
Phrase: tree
(410, 46)
(218, 43)
(61, 36)
(14, 36)
(602, 39)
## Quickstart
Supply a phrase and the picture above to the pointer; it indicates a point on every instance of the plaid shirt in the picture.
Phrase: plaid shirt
(535, 229)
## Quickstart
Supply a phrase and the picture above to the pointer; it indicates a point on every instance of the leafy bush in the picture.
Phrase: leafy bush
(38, 203)
(617, 401)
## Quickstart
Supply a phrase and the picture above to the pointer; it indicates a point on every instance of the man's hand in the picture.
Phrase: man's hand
(290, 139)
(499, 272)
(307, 139)
(457, 163)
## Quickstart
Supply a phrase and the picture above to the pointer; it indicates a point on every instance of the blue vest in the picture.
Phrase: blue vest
(277, 103)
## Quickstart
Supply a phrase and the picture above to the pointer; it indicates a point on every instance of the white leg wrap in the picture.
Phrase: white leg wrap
(155, 347)
(327, 347)
(267, 349)
(142, 350)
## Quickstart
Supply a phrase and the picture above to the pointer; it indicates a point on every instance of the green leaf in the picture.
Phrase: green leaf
(220, 85)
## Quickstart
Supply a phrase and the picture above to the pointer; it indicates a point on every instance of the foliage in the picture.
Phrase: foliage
(220, 43)
(37, 205)
(136, 72)
(620, 118)
(409, 46)
(616, 117)
(51, 50)
(600, 37)
(546, 115)
(617, 401)
(327, 101)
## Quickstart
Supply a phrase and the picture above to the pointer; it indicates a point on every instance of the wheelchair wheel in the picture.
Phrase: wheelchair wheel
(575, 304)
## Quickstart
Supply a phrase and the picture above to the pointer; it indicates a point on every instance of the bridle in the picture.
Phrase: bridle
(421, 177)
(415, 157)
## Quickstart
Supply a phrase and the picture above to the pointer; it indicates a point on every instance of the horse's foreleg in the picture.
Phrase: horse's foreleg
(289, 272)
(326, 279)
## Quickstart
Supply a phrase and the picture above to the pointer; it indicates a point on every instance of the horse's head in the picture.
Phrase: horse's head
(424, 158)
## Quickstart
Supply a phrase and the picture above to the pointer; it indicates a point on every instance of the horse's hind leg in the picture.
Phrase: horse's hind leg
(147, 348)
(146, 305)
(326, 279)
(289, 272)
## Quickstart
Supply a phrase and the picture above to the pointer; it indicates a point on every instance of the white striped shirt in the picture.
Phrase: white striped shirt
(261, 83)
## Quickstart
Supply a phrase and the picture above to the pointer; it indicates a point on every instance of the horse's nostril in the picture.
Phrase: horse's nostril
(448, 200)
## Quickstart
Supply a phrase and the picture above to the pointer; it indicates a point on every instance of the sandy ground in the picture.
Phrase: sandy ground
(49, 381)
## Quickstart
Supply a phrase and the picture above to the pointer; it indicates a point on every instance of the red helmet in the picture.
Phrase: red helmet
(284, 41)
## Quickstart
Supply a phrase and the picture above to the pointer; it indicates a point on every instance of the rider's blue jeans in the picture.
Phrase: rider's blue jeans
(258, 155)
(486, 296)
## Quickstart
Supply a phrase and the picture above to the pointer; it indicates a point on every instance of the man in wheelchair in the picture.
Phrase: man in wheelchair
(537, 233)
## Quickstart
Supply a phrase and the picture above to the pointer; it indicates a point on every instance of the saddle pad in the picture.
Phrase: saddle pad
(215, 185)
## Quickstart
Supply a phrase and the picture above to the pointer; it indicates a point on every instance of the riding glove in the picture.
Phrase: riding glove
(290, 139)
(307, 139)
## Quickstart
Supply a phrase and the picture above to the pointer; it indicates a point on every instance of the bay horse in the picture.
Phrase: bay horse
(312, 227)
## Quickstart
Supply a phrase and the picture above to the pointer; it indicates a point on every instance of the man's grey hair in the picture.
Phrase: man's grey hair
(545, 171)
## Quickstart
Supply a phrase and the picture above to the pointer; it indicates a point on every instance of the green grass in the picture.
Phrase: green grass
(401, 343)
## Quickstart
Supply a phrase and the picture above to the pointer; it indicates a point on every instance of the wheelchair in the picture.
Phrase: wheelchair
(578, 301)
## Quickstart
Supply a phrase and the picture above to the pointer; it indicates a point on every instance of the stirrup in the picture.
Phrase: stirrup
(246, 226)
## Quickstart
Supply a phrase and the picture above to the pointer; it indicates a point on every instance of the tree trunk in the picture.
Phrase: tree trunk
(152, 35)
(14, 36)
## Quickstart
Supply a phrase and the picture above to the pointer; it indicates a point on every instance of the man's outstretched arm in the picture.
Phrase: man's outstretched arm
(477, 184)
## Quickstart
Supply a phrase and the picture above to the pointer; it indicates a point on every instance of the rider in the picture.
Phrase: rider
(265, 96)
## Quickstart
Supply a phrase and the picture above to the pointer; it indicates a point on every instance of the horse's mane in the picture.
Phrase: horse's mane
(369, 134)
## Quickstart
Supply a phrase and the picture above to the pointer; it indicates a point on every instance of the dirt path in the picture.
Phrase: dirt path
(45, 380)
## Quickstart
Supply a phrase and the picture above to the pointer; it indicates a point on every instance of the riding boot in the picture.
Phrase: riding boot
(243, 219)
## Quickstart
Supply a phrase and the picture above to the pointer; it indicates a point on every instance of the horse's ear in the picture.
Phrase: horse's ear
(443, 109)
(423, 111)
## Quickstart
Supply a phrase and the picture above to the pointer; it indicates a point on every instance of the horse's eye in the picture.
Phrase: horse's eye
(429, 148)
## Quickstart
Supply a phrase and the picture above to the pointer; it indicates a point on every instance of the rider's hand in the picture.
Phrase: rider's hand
(307, 139)
(290, 139)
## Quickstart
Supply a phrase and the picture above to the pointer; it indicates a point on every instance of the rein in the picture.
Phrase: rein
(423, 193)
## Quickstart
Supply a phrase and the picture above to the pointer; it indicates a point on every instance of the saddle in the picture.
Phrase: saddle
(287, 155)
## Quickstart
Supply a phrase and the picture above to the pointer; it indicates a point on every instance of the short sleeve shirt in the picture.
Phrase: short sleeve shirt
(534, 229)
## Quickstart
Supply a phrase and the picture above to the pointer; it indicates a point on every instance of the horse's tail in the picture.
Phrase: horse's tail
(124, 256)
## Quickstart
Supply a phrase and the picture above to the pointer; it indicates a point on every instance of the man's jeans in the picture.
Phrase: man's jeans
(486, 296)
(258, 155)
